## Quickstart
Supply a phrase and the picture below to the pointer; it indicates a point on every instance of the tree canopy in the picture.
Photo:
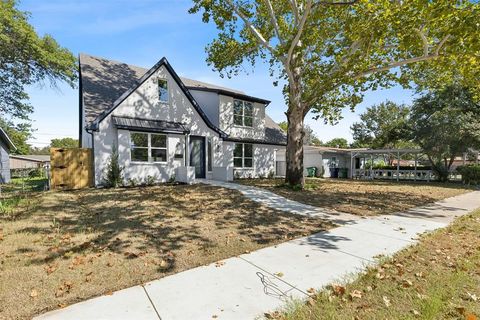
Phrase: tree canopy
(445, 124)
(310, 138)
(27, 58)
(330, 53)
(19, 134)
(337, 143)
(382, 126)
(64, 143)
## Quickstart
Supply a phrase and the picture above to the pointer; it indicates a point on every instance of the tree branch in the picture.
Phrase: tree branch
(274, 20)
(400, 63)
(252, 28)
(301, 26)
(424, 40)
(295, 11)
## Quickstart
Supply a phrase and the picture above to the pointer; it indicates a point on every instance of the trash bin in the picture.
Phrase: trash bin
(343, 173)
(311, 171)
(334, 172)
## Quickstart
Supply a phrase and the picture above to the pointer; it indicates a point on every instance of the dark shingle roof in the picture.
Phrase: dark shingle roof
(6, 139)
(104, 81)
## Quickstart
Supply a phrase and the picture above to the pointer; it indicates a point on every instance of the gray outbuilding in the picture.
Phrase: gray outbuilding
(6, 146)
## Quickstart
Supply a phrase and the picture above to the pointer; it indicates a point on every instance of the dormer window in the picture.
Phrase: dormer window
(242, 113)
(163, 90)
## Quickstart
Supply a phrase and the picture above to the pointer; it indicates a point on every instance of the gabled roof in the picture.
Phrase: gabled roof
(135, 84)
(4, 137)
(106, 83)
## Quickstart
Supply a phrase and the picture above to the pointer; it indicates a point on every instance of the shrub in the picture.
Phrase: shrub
(113, 175)
(470, 174)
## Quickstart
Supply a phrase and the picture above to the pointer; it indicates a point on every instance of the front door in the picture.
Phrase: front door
(197, 155)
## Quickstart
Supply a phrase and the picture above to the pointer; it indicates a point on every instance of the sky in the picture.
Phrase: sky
(141, 32)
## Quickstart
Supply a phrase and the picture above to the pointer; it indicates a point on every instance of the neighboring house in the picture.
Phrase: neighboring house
(31, 161)
(6, 146)
(166, 127)
(325, 159)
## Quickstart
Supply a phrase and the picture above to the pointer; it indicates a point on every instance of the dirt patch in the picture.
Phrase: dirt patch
(362, 197)
(71, 246)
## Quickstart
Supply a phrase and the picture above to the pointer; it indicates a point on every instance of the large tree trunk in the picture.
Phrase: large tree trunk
(295, 132)
(294, 152)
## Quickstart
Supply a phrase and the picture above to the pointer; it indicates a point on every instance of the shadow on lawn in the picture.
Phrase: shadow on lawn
(359, 197)
(166, 220)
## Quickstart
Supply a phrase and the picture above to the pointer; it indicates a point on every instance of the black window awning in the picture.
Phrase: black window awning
(147, 125)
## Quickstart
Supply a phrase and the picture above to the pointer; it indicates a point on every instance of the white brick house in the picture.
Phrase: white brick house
(165, 126)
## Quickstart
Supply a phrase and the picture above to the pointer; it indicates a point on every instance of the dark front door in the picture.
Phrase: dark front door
(197, 155)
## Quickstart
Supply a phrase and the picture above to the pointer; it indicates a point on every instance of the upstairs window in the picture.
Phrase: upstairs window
(242, 113)
(243, 155)
(163, 90)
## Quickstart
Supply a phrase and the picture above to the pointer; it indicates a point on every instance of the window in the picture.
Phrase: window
(163, 90)
(139, 147)
(242, 113)
(243, 155)
(148, 147)
(209, 154)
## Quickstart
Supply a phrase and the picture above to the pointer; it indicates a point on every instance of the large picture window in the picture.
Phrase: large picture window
(163, 90)
(243, 155)
(148, 147)
(242, 113)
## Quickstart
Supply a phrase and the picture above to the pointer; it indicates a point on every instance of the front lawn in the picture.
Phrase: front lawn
(361, 197)
(439, 278)
(70, 246)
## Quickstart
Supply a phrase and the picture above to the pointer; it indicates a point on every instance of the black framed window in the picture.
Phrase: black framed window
(148, 147)
(242, 113)
(163, 90)
(209, 154)
(243, 155)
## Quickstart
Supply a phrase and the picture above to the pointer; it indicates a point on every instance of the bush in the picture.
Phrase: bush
(113, 176)
(470, 174)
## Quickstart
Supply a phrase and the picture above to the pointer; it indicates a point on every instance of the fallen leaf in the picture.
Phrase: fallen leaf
(407, 283)
(471, 316)
(278, 274)
(415, 312)
(33, 293)
(337, 289)
(355, 294)
(386, 301)
(311, 291)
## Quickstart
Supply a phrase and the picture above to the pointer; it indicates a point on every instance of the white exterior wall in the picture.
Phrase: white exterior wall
(264, 157)
(226, 120)
(144, 103)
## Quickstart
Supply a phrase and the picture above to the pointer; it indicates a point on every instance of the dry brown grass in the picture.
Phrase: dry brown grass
(437, 279)
(70, 246)
(362, 197)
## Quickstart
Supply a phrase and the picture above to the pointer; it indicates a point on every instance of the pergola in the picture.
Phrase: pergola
(397, 174)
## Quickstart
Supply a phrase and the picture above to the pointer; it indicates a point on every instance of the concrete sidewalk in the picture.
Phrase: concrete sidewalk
(247, 286)
(275, 201)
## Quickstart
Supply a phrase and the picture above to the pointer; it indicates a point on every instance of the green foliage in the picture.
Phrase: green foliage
(64, 143)
(446, 124)
(26, 59)
(337, 143)
(342, 51)
(309, 139)
(19, 134)
(114, 172)
(470, 174)
(382, 126)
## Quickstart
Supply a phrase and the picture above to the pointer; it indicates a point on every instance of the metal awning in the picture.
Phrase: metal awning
(148, 125)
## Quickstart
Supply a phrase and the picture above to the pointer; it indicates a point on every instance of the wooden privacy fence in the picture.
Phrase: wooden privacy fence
(71, 168)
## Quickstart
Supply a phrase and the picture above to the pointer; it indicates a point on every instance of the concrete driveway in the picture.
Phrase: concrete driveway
(247, 286)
